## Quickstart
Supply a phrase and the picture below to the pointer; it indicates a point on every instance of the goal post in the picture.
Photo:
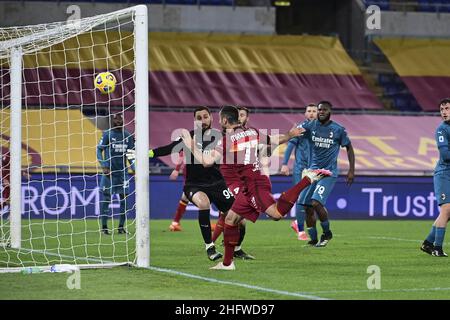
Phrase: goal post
(51, 119)
(142, 144)
(15, 147)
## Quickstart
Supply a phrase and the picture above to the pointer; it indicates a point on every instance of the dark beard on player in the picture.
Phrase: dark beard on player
(325, 120)
(205, 127)
(116, 126)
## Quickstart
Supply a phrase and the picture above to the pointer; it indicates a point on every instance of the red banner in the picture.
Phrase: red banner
(388, 145)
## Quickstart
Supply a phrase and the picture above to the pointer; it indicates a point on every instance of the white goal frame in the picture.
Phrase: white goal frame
(14, 49)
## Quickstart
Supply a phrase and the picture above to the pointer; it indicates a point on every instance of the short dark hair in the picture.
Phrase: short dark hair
(244, 108)
(328, 103)
(201, 108)
(444, 101)
(115, 115)
(231, 113)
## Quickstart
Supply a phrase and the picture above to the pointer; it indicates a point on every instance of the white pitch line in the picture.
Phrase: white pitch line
(193, 276)
(395, 239)
(381, 290)
(390, 238)
(306, 295)
(239, 284)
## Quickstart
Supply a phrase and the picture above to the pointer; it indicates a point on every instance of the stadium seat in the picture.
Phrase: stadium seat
(406, 102)
(383, 4)
(445, 6)
(385, 79)
(395, 89)
(434, 5)
(179, 1)
(217, 2)
(426, 6)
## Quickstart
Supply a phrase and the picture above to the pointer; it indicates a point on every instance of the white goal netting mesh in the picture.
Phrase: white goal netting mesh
(64, 117)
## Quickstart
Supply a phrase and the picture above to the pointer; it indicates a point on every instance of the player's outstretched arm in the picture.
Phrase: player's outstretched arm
(208, 159)
(351, 162)
(287, 154)
(157, 152)
(131, 154)
(282, 138)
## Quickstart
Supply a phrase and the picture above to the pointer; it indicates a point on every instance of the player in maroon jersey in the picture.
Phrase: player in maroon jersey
(239, 151)
(234, 184)
(6, 175)
(6, 164)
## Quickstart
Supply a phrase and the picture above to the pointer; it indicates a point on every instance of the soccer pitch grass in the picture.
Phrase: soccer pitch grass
(283, 269)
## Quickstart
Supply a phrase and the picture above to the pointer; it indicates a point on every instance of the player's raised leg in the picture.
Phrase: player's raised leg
(289, 197)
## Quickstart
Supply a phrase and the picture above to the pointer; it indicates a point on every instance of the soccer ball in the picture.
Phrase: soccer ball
(105, 82)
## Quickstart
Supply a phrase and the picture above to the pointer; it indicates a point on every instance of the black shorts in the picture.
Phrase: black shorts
(217, 193)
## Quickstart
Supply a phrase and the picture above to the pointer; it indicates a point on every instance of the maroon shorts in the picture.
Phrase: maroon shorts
(6, 189)
(235, 188)
(250, 203)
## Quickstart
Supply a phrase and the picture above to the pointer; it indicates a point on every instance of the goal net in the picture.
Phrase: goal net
(53, 118)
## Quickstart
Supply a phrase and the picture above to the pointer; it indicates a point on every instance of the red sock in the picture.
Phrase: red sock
(231, 238)
(219, 227)
(180, 211)
(289, 197)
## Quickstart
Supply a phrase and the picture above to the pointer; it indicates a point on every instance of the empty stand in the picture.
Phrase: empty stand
(422, 64)
(418, 5)
(395, 89)
(192, 69)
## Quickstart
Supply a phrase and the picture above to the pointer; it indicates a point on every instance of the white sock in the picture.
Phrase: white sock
(209, 245)
(237, 248)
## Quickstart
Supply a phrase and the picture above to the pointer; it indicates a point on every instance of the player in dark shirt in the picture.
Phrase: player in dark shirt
(203, 186)
(6, 176)
(111, 154)
(239, 150)
(441, 181)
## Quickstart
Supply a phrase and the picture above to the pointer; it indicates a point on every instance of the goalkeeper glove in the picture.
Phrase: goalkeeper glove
(131, 154)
